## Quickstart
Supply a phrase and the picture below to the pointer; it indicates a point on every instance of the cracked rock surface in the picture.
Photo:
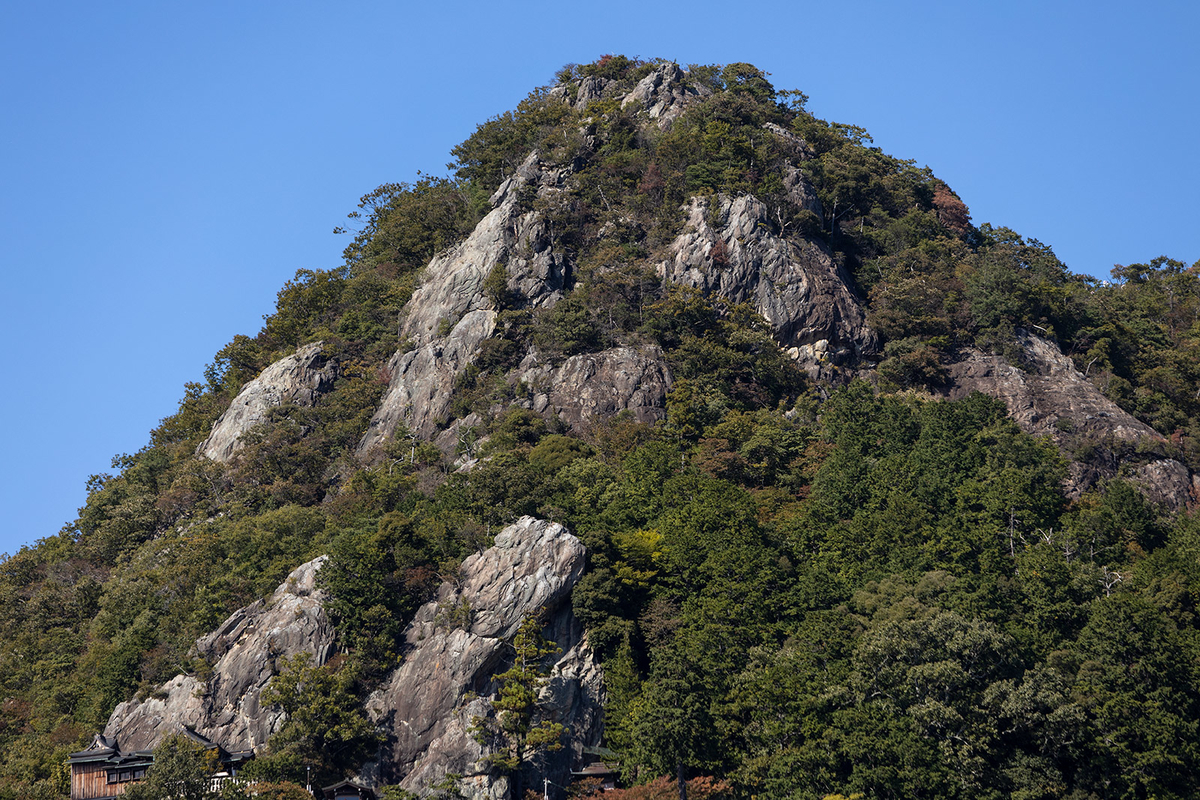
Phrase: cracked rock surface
(245, 653)
(456, 643)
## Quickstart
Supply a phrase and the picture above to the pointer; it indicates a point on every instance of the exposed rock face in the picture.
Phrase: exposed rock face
(428, 704)
(802, 193)
(418, 394)
(663, 94)
(245, 652)
(603, 384)
(589, 89)
(422, 380)
(299, 378)
(1052, 398)
(729, 249)
(799, 147)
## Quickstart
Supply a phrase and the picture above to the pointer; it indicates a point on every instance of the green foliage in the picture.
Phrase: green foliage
(376, 578)
(808, 591)
(407, 224)
(517, 730)
(181, 769)
(326, 726)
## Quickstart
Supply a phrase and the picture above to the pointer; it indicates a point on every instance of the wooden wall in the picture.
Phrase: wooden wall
(89, 781)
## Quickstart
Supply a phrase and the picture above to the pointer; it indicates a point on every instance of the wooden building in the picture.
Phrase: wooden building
(600, 766)
(103, 772)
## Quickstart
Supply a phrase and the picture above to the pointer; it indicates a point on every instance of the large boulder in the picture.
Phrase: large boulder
(299, 378)
(458, 642)
(244, 654)
(728, 248)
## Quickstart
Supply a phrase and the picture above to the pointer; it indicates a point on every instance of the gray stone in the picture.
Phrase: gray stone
(729, 249)
(1049, 396)
(245, 653)
(457, 642)
(599, 385)
(418, 394)
(663, 95)
(299, 378)
(798, 146)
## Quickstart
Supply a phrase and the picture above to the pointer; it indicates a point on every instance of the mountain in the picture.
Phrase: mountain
(675, 425)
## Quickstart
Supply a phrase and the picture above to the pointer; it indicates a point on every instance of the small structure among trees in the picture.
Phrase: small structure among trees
(103, 771)
(348, 790)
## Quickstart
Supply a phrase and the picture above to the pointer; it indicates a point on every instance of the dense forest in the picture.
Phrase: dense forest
(798, 587)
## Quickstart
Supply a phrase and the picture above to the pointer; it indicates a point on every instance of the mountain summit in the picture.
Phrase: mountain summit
(675, 432)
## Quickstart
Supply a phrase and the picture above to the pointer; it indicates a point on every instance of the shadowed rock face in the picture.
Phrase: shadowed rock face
(245, 652)
(600, 385)
(1052, 398)
(299, 378)
(728, 249)
(459, 641)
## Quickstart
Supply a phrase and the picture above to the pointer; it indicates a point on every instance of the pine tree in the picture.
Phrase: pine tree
(515, 732)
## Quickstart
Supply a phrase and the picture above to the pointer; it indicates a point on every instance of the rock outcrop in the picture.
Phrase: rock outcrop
(299, 378)
(449, 315)
(1050, 397)
(244, 653)
(663, 95)
(729, 249)
(458, 642)
(598, 385)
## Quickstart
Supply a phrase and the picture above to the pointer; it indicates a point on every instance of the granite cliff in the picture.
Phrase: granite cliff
(455, 644)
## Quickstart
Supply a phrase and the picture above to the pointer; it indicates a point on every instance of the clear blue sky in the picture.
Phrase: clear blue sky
(167, 166)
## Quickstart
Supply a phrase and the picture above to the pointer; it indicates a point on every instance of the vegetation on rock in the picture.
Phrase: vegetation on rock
(802, 588)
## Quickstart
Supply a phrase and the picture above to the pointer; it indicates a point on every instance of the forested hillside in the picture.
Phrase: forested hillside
(808, 572)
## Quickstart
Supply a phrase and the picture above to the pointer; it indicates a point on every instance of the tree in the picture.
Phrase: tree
(326, 726)
(181, 769)
(514, 731)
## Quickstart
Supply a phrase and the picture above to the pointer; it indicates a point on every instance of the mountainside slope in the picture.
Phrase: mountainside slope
(708, 333)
